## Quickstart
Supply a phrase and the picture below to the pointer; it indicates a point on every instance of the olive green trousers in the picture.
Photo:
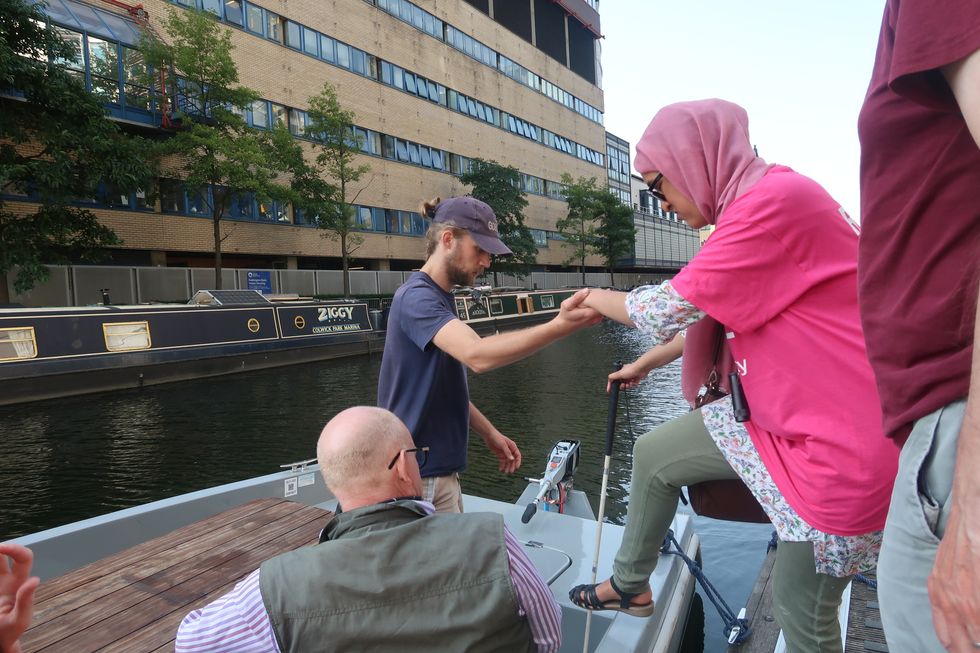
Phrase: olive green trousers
(681, 452)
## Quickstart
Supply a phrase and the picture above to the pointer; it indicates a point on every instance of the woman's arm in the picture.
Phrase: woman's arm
(631, 374)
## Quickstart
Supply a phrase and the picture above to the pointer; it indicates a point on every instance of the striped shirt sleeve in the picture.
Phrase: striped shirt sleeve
(534, 597)
(235, 623)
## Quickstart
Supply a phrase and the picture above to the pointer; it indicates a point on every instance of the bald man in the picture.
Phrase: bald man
(388, 574)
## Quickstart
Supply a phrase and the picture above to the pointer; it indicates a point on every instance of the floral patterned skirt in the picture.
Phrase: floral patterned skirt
(834, 555)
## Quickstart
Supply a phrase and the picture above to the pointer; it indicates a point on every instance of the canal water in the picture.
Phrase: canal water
(69, 459)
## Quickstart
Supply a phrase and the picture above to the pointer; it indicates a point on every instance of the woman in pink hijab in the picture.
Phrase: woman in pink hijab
(776, 284)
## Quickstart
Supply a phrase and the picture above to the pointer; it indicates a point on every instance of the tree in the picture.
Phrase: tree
(214, 150)
(499, 186)
(56, 147)
(615, 234)
(337, 144)
(578, 227)
(597, 223)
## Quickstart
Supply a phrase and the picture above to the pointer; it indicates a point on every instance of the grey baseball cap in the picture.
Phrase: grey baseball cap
(477, 218)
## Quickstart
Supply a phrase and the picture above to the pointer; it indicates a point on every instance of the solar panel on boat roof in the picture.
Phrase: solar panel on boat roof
(228, 297)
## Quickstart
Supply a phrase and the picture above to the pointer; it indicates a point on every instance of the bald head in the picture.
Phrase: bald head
(354, 450)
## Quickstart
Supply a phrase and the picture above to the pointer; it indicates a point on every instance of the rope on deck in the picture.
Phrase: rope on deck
(736, 628)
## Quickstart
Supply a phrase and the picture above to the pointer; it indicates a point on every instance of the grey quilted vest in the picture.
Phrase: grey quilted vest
(389, 578)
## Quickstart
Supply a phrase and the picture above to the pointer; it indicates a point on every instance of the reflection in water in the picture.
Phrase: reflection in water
(74, 458)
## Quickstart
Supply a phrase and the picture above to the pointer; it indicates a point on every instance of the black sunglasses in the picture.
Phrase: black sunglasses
(652, 187)
(421, 455)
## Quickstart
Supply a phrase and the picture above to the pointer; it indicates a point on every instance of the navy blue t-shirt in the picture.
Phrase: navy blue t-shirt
(421, 384)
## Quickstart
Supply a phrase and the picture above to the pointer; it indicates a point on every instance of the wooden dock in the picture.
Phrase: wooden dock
(864, 633)
(134, 600)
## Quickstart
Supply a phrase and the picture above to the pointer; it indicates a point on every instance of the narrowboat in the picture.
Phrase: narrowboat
(47, 353)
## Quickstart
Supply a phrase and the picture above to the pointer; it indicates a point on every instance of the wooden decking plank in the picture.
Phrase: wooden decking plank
(90, 611)
(759, 612)
(124, 558)
(145, 568)
(89, 621)
(177, 599)
(165, 629)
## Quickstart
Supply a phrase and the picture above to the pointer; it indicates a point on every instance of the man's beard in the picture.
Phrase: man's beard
(457, 275)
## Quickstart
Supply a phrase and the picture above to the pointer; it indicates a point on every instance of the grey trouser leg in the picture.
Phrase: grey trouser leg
(916, 522)
(674, 454)
(805, 602)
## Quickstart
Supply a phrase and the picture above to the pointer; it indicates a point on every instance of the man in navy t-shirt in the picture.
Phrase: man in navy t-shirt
(423, 379)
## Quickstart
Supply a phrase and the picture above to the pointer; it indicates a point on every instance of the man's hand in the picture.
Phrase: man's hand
(629, 376)
(16, 595)
(506, 452)
(954, 585)
(574, 315)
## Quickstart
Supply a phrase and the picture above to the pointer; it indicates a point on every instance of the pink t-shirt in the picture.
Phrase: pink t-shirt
(780, 273)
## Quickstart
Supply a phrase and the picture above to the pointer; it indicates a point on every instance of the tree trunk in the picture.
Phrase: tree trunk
(217, 251)
(4, 293)
(346, 264)
(583, 271)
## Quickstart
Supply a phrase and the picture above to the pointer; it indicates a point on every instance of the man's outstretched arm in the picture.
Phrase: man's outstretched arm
(461, 342)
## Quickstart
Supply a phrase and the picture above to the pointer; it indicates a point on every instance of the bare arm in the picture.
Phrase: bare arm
(461, 342)
(963, 77)
(954, 586)
(505, 449)
(611, 303)
(631, 374)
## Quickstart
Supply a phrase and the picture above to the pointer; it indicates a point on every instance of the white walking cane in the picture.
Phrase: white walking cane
(610, 432)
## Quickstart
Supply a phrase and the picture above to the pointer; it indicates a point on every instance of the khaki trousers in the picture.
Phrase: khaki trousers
(681, 452)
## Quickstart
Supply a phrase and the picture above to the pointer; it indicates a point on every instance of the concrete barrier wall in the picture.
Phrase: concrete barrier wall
(163, 284)
(88, 281)
(56, 291)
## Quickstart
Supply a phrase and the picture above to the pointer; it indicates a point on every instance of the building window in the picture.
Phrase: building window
(343, 55)
(279, 115)
(328, 48)
(311, 42)
(197, 202)
(214, 6)
(233, 12)
(274, 27)
(254, 18)
(171, 196)
(260, 114)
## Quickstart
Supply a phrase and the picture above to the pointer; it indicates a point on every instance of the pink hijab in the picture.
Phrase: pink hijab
(703, 149)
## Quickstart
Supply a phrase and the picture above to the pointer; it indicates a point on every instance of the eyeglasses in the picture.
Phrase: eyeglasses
(421, 455)
(652, 187)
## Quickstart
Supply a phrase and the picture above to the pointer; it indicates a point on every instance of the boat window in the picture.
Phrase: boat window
(496, 307)
(547, 301)
(17, 343)
(126, 336)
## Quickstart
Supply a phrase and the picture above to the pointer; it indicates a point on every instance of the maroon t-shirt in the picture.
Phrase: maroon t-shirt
(919, 250)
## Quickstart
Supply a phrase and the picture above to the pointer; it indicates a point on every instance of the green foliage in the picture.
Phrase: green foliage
(597, 223)
(57, 144)
(499, 187)
(615, 234)
(324, 187)
(578, 227)
(213, 145)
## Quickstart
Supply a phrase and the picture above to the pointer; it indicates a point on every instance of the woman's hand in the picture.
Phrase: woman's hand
(629, 376)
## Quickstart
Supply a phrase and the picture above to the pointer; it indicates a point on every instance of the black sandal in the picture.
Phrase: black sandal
(584, 596)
